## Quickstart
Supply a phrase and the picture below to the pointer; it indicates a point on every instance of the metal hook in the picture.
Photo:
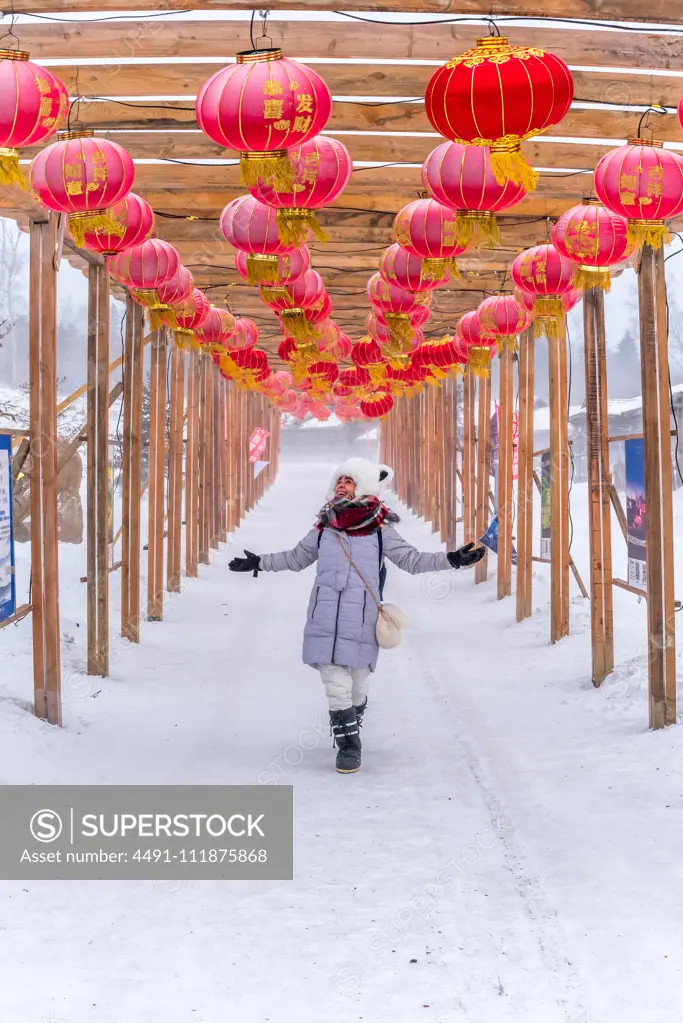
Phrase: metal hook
(11, 34)
(263, 15)
(493, 27)
(645, 117)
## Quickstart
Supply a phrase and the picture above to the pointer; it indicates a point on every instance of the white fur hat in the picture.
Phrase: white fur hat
(368, 476)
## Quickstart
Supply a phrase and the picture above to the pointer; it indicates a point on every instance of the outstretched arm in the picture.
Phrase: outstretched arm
(408, 558)
(300, 557)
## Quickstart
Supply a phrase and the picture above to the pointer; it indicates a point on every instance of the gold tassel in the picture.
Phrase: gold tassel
(510, 344)
(278, 293)
(262, 269)
(479, 360)
(269, 168)
(478, 226)
(10, 171)
(181, 336)
(400, 326)
(548, 313)
(377, 372)
(648, 232)
(147, 297)
(293, 226)
(508, 163)
(593, 277)
(297, 326)
(156, 314)
(99, 221)
(434, 269)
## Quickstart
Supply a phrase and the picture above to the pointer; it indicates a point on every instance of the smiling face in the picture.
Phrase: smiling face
(346, 487)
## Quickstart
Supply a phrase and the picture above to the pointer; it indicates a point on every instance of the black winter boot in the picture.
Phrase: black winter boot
(360, 711)
(344, 726)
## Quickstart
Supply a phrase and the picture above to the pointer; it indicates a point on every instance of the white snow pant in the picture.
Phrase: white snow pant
(345, 687)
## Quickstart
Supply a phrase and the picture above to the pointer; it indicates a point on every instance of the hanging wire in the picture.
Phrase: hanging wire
(645, 118)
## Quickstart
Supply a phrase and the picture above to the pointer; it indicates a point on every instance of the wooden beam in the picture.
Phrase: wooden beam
(43, 441)
(435, 41)
(660, 11)
(658, 488)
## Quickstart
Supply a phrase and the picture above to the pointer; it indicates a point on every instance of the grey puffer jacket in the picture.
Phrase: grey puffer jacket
(340, 626)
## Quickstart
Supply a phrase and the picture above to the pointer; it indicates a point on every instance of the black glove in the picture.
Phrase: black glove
(466, 556)
(252, 563)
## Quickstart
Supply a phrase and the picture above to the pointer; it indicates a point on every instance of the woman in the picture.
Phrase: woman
(352, 537)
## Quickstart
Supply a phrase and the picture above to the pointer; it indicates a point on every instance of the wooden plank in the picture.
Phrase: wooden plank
(623, 585)
(424, 40)
(157, 406)
(619, 511)
(18, 616)
(102, 460)
(559, 481)
(43, 442)
(469, 461)
(126, 467)
(204, 464)
(93, 648)
(525, 495)
(192, 464)
(660, 11)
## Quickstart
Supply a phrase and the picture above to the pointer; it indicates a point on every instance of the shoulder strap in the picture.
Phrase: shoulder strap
(358, 573)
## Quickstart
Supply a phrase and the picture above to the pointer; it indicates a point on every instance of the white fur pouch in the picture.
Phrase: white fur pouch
(390, 622)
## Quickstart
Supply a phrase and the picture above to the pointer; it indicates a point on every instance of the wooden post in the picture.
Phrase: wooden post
(204, 462)
(175, 469)
(559, 486)
(469, 460)
(525, 481)
(43, 447)
(482, 485)
(156, 462)
(599, 485)
(658, 488)
(98, 472)
(192, 465)
(505, 495)
(132, 472)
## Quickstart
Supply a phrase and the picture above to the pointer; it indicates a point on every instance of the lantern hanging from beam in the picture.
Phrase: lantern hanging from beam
(134, 218)
(498, 95)
(462, 178)
(173, 291)
(33, 106)
(190, 314)
(643, 182)
(245, 334)
(321, 170)
(503, 317)
(251, 227)
(547, 275)
(377, 404)
(144, 268)
(404, 270)
(395, 304)
(83, 176)
(263, 105)
(595, 238)
(289, 266)
(479, 345)
(426, 228)
(216, 330)
(300, 295)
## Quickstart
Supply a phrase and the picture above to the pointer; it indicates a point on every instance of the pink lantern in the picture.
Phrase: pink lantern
(404, 270)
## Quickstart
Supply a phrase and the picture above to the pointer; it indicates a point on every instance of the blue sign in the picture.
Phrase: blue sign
(635, 513)
(490, 539)
(7, 587)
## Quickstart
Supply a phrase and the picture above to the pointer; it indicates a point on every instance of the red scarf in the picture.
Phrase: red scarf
(359, 518)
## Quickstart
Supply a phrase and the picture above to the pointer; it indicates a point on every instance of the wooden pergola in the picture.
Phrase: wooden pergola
(136, 78)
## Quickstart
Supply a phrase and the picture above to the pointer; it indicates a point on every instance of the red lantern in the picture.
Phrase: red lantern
(172, 291)
(251, 227)
(377, 404)
(320, 310)
(546, 274)
(426, 228)
(503, 317)
(367, 354)
(498, 95)
(328, 340)
(263, 105)
(145, 267)
(570, 299)
(190, 314)
(479, 345)
(322, 375)
(135, 220)
(441, 353)
(321, 170)
(245, 334)
(382, 333)
(216, 329)
(462, 177)
(401, 268)
(643, 182)
(299, 296)
(595, 238)
(526, 300)
(289, 266)
(33, 106)
(84, 177)
(395, 305)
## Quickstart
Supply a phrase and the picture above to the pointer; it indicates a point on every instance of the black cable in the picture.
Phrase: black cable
(113, 17)
(251, 29)
(516, 19)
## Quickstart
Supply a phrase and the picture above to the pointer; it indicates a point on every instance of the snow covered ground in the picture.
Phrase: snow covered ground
(510, 852)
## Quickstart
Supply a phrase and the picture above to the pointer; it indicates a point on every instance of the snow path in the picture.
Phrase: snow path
(510, 850)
